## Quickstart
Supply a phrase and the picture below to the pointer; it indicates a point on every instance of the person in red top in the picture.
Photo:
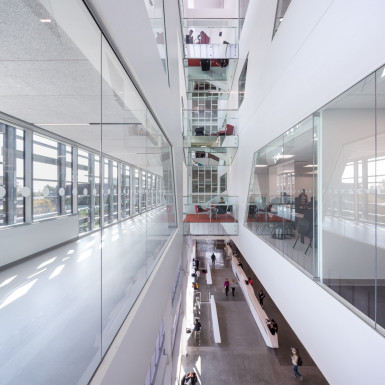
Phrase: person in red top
(227, 286)
(251, 282)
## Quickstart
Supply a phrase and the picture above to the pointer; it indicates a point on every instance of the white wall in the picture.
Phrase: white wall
(320, 50)
(127, 23)
(36, 237)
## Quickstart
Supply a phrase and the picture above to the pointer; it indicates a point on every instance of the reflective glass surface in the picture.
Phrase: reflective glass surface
(155, 11)
(317, 196)
(86, 193)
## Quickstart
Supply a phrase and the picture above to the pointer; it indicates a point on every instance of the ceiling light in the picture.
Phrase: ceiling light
(261, 165)
(311, 165)
(203, 146)
(62, 124)
(46, 20)
(280, 156)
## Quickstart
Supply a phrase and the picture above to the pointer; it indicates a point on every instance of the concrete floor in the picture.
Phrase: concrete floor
(242, 357)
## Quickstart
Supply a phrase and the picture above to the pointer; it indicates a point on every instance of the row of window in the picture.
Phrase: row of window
(42, 178)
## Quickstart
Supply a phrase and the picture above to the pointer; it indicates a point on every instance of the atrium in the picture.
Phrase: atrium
(155, 154)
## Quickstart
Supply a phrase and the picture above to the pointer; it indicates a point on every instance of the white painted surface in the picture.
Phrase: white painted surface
(258, 313)
(20, 241)
(214, 319)
(209, 278)
(320, 50)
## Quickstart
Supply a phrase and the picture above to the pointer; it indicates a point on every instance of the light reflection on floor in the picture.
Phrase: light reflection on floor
(51, 304)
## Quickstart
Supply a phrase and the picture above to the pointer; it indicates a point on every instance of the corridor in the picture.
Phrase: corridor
(242, 357)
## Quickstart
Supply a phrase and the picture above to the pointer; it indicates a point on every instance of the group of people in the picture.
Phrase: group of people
(202, 38)
(191, 377)
(227, 286)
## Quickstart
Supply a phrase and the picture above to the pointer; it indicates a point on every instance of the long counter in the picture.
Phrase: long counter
(258, 313)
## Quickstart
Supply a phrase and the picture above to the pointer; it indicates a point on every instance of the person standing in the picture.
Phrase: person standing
(251, 281)
(227, 285)
(189, 37)
(233, 286)
(261, 296)
(295, 360)
(213, 258)
(197, 264)
(197, 326)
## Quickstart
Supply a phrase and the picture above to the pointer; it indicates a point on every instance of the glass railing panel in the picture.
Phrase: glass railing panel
(219, 74)
(348, 173)
(380, 196)
(205, 120)
(198, 156)
(76, 282)
(210, 38)
(316, 195)
(298, 193)
(218, 215)
(51, 303)
(148, 149)
(155, 11)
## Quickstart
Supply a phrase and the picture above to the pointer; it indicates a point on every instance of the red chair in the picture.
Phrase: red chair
(229, 130)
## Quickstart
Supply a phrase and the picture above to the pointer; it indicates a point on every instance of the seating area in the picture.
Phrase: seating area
(214, 213)
(227, 130)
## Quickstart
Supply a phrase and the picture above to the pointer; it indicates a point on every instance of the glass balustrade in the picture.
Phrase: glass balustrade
(210, 38)
(216, 216)
(210, 135)
(317, 193)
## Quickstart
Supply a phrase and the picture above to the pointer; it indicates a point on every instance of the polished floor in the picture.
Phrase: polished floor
(242, 357)
(61, 309)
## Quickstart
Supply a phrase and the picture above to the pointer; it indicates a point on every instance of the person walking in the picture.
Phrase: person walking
(251, 281)
(213, 258)
(227, 285)
(296, 361)
(233, 286)
(197, 327)
(261, 296)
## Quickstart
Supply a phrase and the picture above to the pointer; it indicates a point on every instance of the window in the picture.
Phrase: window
(143, 192)
(282, 7)
(12, 169)
(242, 83)
(125, 192)
(45, 178)
(110, 191)
(136, 191)
(155, 11)
(84, 191)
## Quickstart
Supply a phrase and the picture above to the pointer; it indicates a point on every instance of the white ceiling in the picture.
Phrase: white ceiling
(50, 75)
(204, 4)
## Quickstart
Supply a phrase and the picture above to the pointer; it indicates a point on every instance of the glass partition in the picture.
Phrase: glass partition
(155, 11)
(78, 242)
(348, 172)
(378, 172)
(317, 196)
